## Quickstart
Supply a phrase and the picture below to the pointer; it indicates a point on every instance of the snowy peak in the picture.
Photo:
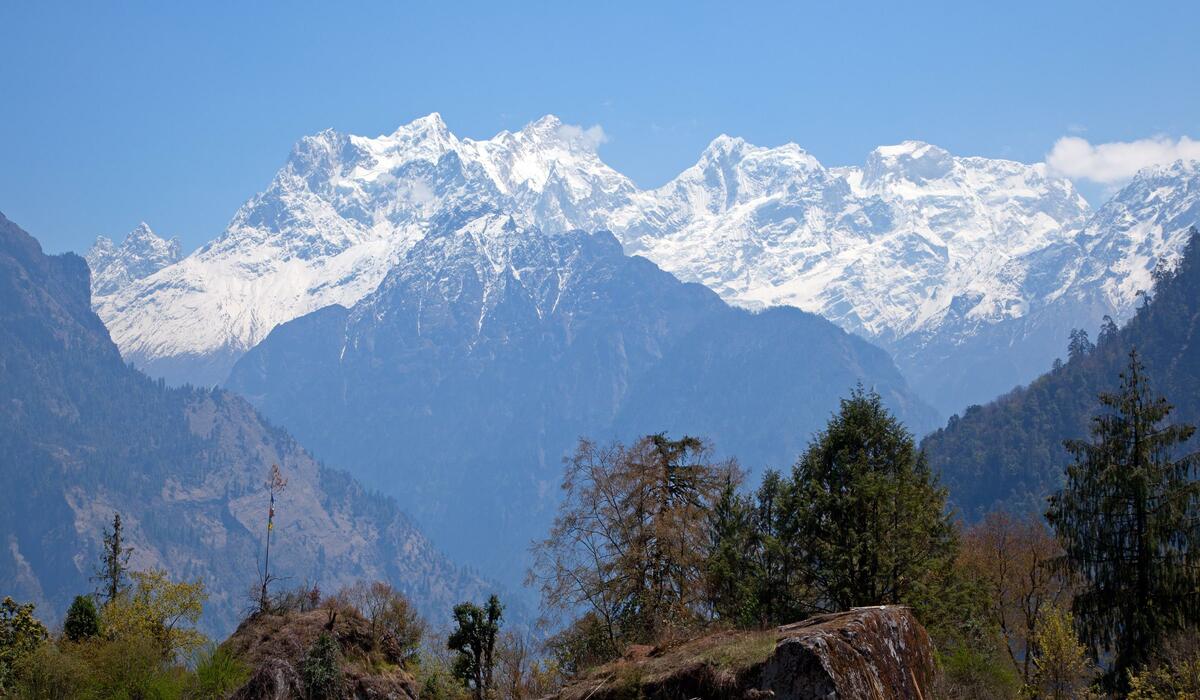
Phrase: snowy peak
(141, 254)
(915, 161)
(1144, 224)
(886, 250)
(340, 213)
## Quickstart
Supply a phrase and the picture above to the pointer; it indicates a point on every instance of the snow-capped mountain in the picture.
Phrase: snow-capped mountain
(141, 254)
(913, 245)
(460, 383)
(970, 270)
(331, 224)
(1144, 224)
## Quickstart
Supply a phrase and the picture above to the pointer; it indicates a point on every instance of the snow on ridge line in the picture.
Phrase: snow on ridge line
(886, 249)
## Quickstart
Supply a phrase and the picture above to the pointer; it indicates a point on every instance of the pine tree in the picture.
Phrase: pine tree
(1129, 521)
(1080, 345)
(82, 621)
(114, 566)
(774, 524)
(729, 572)
(872, 526)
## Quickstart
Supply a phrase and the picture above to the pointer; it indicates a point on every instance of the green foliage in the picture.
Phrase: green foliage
(1179, 682)
(158, 609)
(474, 643)
(20, 635)
(436, 681)
(218, 672)
(1129, 521)
(50, 673)
(728, 576)
(132, 667)
(83, 620)
(872, 526)
(1010, 451)
(752, 563)
(1062, 670)
(585, 643)
(1174, 674)
(321, 669)
(402, 629)
(968, 673)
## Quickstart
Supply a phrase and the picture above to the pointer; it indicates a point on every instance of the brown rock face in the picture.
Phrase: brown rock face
(880, 652)
(874, 653)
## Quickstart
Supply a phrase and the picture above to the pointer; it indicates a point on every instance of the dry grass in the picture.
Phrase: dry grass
(720, 656)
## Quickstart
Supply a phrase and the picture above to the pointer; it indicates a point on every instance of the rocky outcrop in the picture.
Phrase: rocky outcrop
(274, 647)
(875, 653)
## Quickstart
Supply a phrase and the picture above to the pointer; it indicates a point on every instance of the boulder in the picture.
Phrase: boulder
(875, 653)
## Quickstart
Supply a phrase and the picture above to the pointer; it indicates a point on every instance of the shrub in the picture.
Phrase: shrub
(52, 673)
(1174, 672)
(971, 674)
(83, 621)
(582, 645)
(321, 669)
(131, 667)
(218, 672)
(20, 635)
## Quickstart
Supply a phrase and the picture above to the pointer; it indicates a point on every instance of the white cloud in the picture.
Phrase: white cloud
(589, 138)
(1111, 163)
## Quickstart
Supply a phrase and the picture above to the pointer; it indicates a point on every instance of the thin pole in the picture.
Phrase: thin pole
(262, 601)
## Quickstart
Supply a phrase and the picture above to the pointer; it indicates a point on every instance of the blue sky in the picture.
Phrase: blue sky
(176, 114)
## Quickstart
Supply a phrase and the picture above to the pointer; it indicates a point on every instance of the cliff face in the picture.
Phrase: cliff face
(878, 652)
(82, 436)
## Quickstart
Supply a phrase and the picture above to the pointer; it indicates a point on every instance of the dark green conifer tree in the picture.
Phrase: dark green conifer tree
(82, 621)
(871, 521)
(729, 571)
(1129, 521)
(114, 566)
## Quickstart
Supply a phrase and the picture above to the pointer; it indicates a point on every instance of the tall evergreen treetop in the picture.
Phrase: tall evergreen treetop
(874, 517)
(112, 574)
(1129, 520)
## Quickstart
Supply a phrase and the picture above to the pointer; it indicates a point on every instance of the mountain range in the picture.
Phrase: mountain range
(490, 348)
(84, 435)
(970, 271)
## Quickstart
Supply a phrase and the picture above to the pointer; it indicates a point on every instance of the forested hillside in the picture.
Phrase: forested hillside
(1011, 450)
(82, 436)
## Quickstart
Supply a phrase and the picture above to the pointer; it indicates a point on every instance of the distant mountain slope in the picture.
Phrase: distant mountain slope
(83, 435)
(1010, 451)
(460, 383)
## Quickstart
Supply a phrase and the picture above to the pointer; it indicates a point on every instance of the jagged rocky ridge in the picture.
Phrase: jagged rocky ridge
(464, 379)
(141, 254)
(953, 264)
(83, 435)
